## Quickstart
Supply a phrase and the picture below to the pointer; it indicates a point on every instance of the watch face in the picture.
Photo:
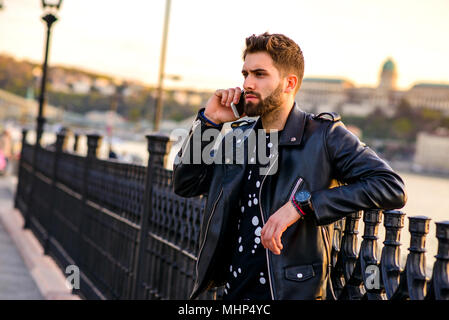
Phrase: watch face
(302, 196)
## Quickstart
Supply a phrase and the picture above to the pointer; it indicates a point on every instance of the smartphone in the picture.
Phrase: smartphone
(238, 108)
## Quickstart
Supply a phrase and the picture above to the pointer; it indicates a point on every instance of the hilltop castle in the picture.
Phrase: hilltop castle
(341, 95)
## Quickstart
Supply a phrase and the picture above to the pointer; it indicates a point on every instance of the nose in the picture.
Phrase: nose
(249, 84)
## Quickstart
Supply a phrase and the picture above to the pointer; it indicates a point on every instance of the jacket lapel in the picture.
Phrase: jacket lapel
(294, 127)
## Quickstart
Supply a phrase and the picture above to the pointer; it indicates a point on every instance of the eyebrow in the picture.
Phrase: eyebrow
(255, 70)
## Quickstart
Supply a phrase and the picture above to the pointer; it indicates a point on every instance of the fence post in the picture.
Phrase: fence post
(60, 142)
(391, 252)
(19, 173)
(27, 215)
(368, 253)
(93, 143)
(439, 285)
(158, 147)
(347, 257)
(75, 143)
(413, 281)
(337, 238)
(416, 259)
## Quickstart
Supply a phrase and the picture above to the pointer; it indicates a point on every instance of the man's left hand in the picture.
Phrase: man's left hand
(276, 225)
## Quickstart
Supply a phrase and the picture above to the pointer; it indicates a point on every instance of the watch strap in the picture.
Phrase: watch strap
(298, 208)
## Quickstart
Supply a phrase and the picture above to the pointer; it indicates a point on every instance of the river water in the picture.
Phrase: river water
(427, 196)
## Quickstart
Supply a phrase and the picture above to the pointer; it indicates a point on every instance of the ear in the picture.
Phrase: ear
(292, 81)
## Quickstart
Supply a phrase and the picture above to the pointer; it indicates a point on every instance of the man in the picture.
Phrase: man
(268, 236)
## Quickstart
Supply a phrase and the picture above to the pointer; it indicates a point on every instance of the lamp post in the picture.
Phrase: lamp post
(50, 8)
(160, 88)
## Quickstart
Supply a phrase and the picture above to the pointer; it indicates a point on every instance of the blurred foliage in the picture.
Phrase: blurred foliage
(404, 125)
(134, 107)
(17, 76)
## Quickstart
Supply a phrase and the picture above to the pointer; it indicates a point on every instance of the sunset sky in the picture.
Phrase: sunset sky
(346, 38)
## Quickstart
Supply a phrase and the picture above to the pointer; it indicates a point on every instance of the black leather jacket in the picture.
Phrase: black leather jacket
(342, 174)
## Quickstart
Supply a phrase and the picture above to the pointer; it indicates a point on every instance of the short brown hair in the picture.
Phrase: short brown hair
(286, 53)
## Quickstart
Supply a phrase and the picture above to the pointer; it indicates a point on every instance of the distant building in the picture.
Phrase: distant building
(430, 95)
(323, 94)
(386, 96)
(104, 86)
(81, 86)
(180, 97)
(133, 89)
(432, 151)
(357, 109)
(187, 97)
(340, 95)
(65, 81)
(388, 76)
(195, 99)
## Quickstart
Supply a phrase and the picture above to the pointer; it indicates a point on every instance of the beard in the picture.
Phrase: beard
(264, 106)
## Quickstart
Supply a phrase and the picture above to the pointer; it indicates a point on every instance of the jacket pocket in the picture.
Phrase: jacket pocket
(299, 273)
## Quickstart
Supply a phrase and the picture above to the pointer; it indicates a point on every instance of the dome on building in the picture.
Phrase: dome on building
(389, 65)
(388, 75)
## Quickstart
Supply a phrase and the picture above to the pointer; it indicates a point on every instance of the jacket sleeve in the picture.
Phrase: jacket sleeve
(369, 182)
(191, 173)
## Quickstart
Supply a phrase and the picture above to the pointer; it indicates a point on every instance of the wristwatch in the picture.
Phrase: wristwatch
(302, 201)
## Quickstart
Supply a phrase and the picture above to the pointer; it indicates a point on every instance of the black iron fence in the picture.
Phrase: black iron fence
(132, 238)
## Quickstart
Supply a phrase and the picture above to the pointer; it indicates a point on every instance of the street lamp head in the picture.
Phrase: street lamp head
(173, 77)
(51, 4)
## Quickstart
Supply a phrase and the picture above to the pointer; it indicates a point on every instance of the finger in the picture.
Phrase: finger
(272, 241)
(277, 238)
(231, 93)
(263, 235)
(273, 246)
(269, 241)
(237, 95)
(219, 93)
(224, 97)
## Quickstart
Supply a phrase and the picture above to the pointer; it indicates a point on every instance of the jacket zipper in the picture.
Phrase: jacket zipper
(207, 229)
(298, 184)
(263, 221)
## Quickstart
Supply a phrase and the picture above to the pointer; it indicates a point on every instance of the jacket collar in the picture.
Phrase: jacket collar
(294, 127)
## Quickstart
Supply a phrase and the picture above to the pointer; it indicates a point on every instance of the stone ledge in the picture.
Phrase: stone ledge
(47, 275)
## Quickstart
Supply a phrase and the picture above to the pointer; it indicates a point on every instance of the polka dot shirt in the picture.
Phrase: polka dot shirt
(247, 272)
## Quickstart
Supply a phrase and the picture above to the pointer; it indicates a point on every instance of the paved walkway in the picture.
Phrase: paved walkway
(25, 272)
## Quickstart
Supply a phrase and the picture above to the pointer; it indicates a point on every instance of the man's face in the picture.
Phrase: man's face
(263, 84)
